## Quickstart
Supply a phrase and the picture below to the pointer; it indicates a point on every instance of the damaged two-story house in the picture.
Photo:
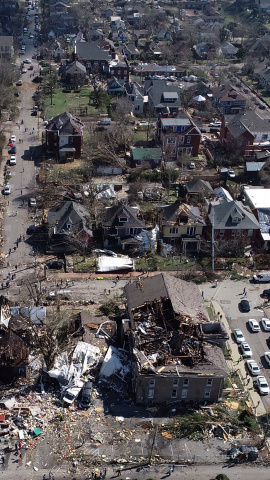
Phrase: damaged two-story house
(181, 225)
(64, 135)
(172, 361)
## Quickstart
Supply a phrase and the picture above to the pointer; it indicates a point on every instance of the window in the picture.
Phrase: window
(171, 140)
(209, 382)
(186, 382)
(182, 139)
(191, 230)
(152, 382)
(175, 383)
(68, 226)
(207, 394)
(112, 71)
(264, 137)
(184, 393)
(125, 72)
(189, 139)
(233, 233)
(250, 232)
(174, 393)
(221, 233)
(123, 219)
(71, 140)
(151, 393)
(173, 230)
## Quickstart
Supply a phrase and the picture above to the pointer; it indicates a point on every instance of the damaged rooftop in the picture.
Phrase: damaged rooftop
(166, 315)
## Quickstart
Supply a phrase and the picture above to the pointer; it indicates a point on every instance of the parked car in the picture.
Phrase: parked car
(262, 385)
(7, 189)
(267, 357)
(13, 149)
(265, 324)
(266, 293)
(13, 138)
(246, 350)
(105, 121)
(12, 160)
(253, 367)
(215, 124)
(238, 335)
(32, 202)
(245, 306)
(191, 166)
(19, 83)
(254, 325)
(27, 60)
(86, 395)
(262, 277)
(231, 174)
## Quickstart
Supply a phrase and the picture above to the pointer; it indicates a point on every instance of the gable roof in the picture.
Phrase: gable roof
(65, 123)
(228, 93)
(159, 93)
(72, 213)
(222, 216)
(91, 51)
(185, 296)
(174, 213)
(197, 186)
(250, 122)
(75, 67)
(112, 214)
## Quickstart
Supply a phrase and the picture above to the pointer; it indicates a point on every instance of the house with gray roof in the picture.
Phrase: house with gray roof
(197, 188)
(130, 51)
(69, 223)
(135, 93)
(233, 223)
(120, 224)
(228, 99)
(161, 96)
(172, 361)
(94, 58)
(73, 73)
(245, 132)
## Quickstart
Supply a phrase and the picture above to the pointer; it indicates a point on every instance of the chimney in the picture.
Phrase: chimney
(113, 54)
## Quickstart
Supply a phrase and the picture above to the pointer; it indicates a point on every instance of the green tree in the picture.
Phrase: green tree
(50, 83)
(99, 97)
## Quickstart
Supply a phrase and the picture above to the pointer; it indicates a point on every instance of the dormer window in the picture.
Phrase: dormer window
(236, 219)
(123, 219)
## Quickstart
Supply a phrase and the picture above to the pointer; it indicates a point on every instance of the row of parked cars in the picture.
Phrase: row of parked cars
(260, 381)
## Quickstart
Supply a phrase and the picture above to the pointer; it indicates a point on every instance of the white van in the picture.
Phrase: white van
(262, 277)
(105, 121)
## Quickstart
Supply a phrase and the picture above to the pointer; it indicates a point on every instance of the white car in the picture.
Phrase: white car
(238, 335)
(262, 385)
(231, 174)
(7, 190)
(27, 60)
(253, 367)
(267, 357)
(12, 160)
(215, 124)
(192, 166)
(254, 325)
(13, 138)
(265, 324)
(32, 202)
(72, 392)
(246, 350)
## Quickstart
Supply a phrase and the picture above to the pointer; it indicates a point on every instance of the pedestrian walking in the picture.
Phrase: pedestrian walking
(21, 192)
(105, 473)
(16, 213)
(20, 445)
(202, 295)
(14, 249)
(170, 471)
(118, 472)
(8, 202)
(16, 446)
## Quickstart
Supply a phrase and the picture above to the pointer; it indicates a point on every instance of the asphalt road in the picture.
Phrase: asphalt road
(22, 181)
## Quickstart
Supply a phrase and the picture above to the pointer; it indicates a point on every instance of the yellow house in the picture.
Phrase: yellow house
(182, 225)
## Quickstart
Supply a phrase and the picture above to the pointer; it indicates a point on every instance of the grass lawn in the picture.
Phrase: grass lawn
(64, 102)
(89, 264)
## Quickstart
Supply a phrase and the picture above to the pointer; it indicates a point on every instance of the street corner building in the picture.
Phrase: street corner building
(177, 353)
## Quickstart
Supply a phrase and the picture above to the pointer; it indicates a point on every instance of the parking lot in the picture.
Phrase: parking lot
(229, 295)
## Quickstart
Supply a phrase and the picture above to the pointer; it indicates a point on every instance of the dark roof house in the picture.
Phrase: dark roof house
(64, 136)
(120, 224)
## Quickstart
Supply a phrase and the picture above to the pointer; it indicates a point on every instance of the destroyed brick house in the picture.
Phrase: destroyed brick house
(172, 358)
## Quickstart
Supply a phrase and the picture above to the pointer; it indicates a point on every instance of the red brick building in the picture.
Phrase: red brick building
(64, 136)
